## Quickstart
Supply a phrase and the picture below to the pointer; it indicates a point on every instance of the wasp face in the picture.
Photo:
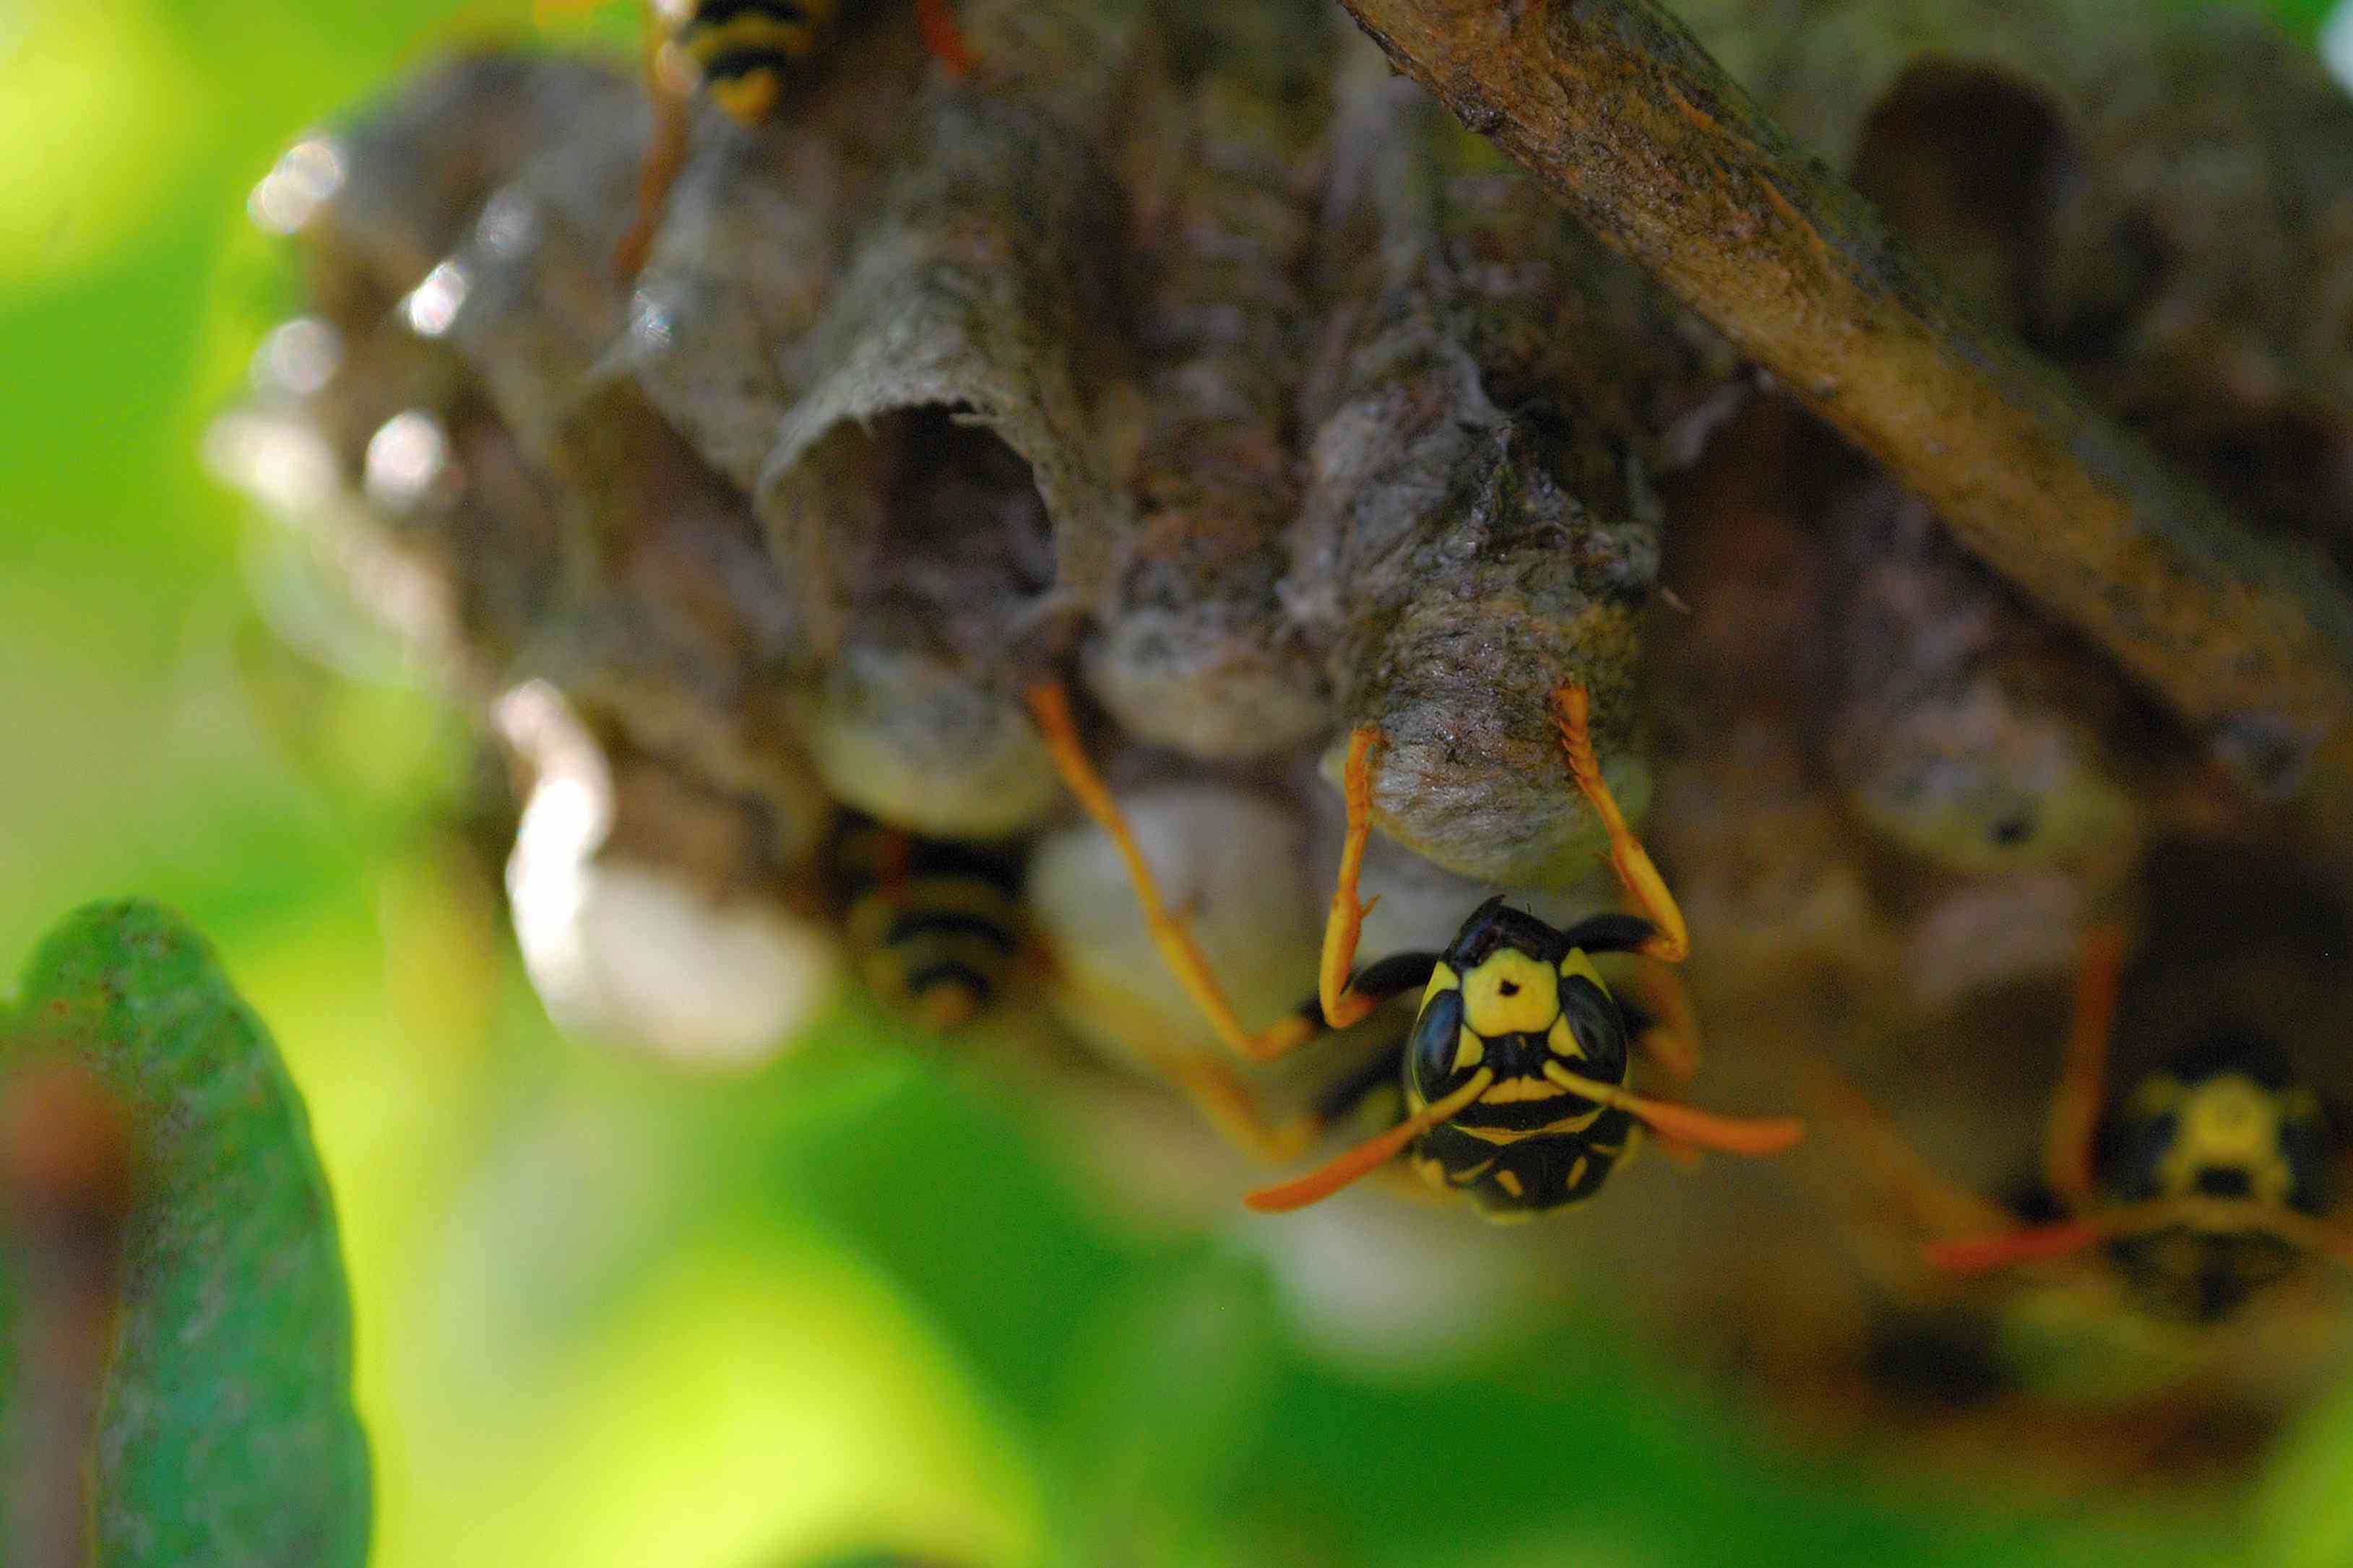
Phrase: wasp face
(1511, 995)
(2226, 1120)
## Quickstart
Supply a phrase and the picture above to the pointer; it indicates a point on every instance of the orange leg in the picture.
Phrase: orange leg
(943, 37)
(666, 148)
(2075, 1108)
(1049, 705)
(1346, 922)
(1626, 856)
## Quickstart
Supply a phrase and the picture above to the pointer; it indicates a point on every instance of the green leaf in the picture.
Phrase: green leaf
(226, 1433)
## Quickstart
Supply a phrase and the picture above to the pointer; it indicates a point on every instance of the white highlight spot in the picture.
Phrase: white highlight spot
(433, 304)
(301, 181)
(297, 358)
(408, 458)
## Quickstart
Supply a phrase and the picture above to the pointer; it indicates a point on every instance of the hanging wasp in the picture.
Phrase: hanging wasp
(934, 925)
(2208, 1184)
(1515, 1071)
(746, 52)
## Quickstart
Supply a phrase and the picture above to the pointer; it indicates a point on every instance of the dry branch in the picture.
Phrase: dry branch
(1615, 107)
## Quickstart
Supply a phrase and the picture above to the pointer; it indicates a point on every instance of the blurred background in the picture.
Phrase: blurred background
(609, 1313)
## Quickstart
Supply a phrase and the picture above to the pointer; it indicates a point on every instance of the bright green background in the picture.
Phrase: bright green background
(607, 1317)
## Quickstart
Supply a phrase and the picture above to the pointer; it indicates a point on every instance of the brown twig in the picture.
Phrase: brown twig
(65, 1193)
(1615, 107)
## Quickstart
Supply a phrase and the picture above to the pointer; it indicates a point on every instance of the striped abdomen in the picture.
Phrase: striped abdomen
(934, 925)
(747, 49)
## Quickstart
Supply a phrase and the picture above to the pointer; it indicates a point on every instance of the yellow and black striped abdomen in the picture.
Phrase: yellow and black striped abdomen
(747, 49)
(934, 926)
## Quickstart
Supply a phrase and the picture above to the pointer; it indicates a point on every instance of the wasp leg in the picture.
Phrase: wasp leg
(2076, 1107)
(668, 87)
(1345, 924)
(1049, 705)
(1671, 941)
(943, 37)
(1904, 1195)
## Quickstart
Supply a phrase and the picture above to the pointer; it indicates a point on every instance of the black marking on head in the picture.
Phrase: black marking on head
(1492, 926)
(2222, 1182)
(2249, 1055)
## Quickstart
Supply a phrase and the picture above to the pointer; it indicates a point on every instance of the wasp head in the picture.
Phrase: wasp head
(1511, 995)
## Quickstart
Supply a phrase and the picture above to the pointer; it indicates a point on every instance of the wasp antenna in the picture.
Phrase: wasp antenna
(1983, 1253)
(1700, 1128)
(2075, 1108)
(1370, 1155)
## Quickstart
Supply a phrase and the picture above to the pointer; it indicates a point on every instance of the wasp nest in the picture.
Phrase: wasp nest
(1182, 353)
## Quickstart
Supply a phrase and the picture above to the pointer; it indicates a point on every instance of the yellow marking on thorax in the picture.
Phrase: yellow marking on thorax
(1577, 1123)
(1508, 992)
(1510, 1182)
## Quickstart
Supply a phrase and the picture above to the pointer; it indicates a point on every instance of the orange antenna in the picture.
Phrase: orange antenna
(1700, 1128)
(1370, 1155)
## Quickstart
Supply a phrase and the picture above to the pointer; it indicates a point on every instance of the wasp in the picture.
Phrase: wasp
(746, 52)
(1515, 1071)
(934, 925)
(2209, 1183)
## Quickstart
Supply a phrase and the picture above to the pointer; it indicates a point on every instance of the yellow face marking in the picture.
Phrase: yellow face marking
(1511, 993)
(1441, 978)
(1470, 1050)
(1509, 1183)
(2232, 1123)
(1578, 962)
(1510, 1089)
(1563, 1042)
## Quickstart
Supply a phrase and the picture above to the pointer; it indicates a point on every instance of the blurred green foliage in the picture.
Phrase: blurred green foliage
(226, 1431)
(611, 1315)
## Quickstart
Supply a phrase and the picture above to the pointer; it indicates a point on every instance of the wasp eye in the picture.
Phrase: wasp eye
(1437, 1041)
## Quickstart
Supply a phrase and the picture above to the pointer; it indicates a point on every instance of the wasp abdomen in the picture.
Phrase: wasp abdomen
(934, 925)
(746, 49)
